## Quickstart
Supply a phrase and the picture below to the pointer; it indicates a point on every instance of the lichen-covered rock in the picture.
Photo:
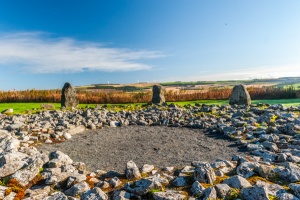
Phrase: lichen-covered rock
(158, 95)
(68, 96)
(240, 96)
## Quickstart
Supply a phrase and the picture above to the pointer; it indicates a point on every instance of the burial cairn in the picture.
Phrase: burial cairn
(68, 96)
(158, 95)
(240, 96)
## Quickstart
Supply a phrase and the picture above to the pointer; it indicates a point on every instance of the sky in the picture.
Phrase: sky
(44, 44)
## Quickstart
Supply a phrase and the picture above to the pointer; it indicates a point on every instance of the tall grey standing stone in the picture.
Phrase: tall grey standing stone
(158, 94)
(240, 96)
(68, 96)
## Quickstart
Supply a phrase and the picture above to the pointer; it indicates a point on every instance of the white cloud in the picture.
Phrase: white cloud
(39, 53)
(244, 73)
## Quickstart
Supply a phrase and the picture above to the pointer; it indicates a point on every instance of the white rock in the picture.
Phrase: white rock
(10, 162)
(147, 168)
(78, 189)
(94, 194)
(67, 136)
(237, 182)
(132, 171)
(168, 195)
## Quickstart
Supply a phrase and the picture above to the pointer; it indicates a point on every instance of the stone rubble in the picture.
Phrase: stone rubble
(270, 133)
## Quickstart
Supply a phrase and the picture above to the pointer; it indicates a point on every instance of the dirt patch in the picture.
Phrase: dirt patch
(111, 148)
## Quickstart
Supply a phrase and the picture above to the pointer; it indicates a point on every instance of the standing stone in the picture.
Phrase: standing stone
(68, 96)
(240, 96)
(158, 95)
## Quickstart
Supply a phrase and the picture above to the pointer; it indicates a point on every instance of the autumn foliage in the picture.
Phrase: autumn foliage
(99, 96)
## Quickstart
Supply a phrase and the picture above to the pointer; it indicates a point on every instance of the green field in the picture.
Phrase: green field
(22, 107)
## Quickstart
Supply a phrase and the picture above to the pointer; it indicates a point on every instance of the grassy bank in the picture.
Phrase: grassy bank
(22, 107)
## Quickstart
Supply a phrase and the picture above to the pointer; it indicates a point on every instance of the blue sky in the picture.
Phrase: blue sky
(46, 43)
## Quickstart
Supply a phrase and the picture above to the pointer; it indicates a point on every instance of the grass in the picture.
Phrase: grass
(285, 102)
(20, 108)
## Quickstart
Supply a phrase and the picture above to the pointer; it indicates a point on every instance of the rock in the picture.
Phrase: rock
(67, 136)
(132, 171)
(208, 193)
(11, 196)
(2, 191)
(180, 181)
(56, 196)
(197, 188)
(58, 159)
(272, 188)
(114, 124)
(76, 130)
(8, 111)
(94, 194)
(142, 187)
(37, 192)
(47, 106)
(295, 188)
(205, 174)
(168, 195)
(287, 196)
(147, 168)
(240, 96)
(246, 169)
(122, 195)
(68, 97)
(254, 193)
(265, 171)
(78, 189)
(237, 182)
(222, 190)
(10, 162)
(291, 172)
(158, 95)
(28, 173)
(115, 182)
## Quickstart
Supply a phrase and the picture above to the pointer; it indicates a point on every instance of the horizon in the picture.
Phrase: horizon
(44, 44)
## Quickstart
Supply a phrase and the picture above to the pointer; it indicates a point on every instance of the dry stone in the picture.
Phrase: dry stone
(132, 171)
(240, 96)
(158, 95)
(68, 96)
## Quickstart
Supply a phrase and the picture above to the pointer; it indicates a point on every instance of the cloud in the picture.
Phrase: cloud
(244, 73)
(40, 53)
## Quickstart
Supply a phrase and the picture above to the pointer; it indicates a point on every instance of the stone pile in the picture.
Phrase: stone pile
(269, 132)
